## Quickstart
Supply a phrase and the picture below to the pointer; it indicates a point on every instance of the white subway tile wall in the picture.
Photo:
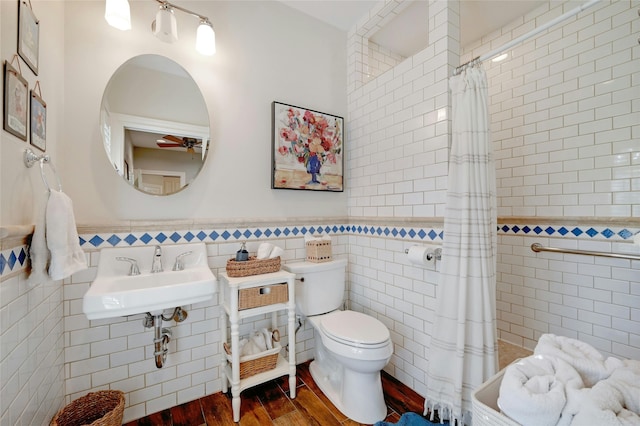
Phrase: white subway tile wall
(565, 119)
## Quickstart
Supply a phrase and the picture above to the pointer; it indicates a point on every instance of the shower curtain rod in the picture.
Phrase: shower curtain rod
(526, 36)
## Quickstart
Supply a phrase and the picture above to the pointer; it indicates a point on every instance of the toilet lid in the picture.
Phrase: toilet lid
(352, 327)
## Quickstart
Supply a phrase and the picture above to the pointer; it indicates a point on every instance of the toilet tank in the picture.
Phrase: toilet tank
(319, 286)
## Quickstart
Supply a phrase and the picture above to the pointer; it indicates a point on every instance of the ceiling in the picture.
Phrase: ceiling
(477, 18)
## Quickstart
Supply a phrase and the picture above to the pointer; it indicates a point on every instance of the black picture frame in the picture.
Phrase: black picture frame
(307, 149)
(38, 109)
(16, 105)
(28, 36)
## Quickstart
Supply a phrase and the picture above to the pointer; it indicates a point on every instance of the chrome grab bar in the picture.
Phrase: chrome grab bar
(538, 248)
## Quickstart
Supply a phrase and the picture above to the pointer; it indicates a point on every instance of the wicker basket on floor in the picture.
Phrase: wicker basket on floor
(102, 408)
(251, 365)
(253, 266)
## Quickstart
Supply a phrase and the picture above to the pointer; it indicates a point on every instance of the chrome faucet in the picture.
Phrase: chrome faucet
(156, 266)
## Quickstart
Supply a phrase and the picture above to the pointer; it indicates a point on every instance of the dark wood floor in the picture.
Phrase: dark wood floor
(269, 404)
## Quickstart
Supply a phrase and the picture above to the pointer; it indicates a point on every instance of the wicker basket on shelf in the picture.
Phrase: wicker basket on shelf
(253, 266)
(102, 408)
(251, 365)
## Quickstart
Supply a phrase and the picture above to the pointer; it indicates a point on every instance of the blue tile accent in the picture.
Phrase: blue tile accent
(246, 233)
(201, 235)
(225, 235)
(526, 229)
(516, 229)
(286, 232)
(505, 228)
(3, 263)
(12, 260)
(592, 232)
(413, 233)
(214, 235)
(549, 230)
(312, 230)
(277, 232)
(113, 240)
(22, 256)
(563, 231)
(96, 241)
(268, 232)
(189, 236)
(146, 238)
(537, 230)
(175, 237)
(236, 234)
(161, 237)
(303, 230)
(394, 232)
(608, 233)
(403, 232)
(576, 231)
(257, 233)
(130, 239)
(625, 233)
(433, 234)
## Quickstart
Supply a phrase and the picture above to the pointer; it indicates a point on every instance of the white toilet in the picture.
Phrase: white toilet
(351, 347)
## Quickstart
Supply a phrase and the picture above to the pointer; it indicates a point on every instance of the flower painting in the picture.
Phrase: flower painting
(307, 149)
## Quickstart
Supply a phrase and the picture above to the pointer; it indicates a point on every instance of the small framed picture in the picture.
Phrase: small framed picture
(307, 149)
(38, 122)
(28, 36)
(16, 95)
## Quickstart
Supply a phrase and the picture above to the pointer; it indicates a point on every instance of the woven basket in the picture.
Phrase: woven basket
(253, 266)
(251, 365)
(102, 408)
(254, 297)
(318, 251)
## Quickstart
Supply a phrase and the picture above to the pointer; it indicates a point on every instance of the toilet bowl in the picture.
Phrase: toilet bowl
(346, 368)
(351, 348)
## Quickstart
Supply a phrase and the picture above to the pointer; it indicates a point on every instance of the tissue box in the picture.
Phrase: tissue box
(318, 250)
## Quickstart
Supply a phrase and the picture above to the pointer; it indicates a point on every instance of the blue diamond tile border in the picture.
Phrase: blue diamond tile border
(17, 257)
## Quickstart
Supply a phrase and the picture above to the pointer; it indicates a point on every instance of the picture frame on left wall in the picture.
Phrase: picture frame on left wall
(38, 109)
(16, 105)
(28, 36)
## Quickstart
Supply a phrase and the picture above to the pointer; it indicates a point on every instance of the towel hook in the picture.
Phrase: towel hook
(30, 158)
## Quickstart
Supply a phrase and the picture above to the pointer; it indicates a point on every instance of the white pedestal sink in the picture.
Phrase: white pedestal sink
(115, 293)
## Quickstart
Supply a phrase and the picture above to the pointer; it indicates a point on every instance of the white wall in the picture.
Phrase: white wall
(31, 337)
(265, 52)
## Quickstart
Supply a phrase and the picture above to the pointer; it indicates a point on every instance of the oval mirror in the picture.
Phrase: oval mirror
(154, 125)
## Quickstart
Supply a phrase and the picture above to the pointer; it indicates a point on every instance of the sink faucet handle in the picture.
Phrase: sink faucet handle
(179, 265)
(133, 270)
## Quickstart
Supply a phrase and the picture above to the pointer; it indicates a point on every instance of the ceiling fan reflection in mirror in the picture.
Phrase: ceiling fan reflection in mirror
(170, 141)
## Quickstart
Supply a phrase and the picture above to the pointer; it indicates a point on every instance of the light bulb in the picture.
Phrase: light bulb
(205, 38)
(165, 27)
(118, 14)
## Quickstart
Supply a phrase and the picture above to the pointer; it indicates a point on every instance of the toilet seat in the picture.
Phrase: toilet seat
(355, 329)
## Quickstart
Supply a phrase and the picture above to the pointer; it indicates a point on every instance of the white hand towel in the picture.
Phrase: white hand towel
(67, 257)
(276, 252)
(264, 250)
(589, 363)
(38, 251)
(533, 390)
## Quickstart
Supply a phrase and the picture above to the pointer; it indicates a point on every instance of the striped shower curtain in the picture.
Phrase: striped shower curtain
(463, 349)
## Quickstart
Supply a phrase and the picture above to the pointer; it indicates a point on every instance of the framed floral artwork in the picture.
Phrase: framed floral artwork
(16, 102)
(308, 150)
(38, 122)
(28, 36)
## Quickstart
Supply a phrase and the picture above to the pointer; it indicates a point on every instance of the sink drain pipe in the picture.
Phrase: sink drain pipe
(162, 335)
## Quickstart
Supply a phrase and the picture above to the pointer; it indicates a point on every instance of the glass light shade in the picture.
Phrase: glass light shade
(166, 27)
(205, 39)
(118, 14)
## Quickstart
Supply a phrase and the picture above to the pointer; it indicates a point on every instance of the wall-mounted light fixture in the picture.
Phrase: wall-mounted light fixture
(164, 26)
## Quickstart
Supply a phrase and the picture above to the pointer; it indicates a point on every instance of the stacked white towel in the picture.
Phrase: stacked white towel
(586, 359)
(534, 390)
(568, 382)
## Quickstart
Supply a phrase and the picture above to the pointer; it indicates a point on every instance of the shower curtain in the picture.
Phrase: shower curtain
(463, 349)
